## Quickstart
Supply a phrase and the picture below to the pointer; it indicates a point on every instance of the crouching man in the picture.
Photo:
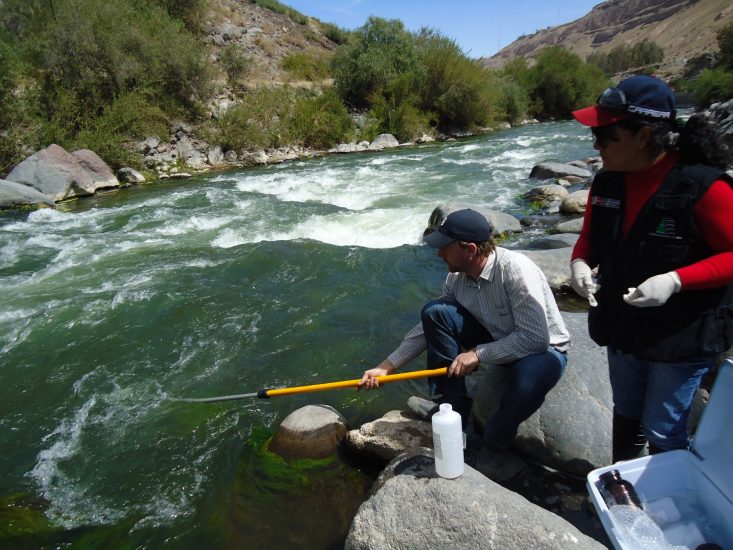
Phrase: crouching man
(498, 309)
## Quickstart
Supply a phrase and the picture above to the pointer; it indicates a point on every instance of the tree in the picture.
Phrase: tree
(378, 52)
(562, 83)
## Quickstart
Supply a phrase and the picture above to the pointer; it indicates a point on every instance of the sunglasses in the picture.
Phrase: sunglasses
(603, 135)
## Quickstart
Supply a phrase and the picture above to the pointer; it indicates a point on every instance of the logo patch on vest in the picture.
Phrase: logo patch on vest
(666, 228)
(606, 202)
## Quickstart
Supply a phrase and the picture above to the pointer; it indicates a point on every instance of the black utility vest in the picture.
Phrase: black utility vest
(692, 324)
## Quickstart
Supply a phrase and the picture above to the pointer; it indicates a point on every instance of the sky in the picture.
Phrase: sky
(480, 27)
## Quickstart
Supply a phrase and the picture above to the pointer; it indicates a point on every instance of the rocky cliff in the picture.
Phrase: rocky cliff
(684, 29)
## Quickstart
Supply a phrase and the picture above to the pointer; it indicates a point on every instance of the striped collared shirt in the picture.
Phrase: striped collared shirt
(514, 303)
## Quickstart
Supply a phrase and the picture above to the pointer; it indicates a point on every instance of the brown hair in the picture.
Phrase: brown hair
(484, 247)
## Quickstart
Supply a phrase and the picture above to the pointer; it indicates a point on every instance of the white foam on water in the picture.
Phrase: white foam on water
(370, 228)
(463, 162)
(344, 188)
(130, 296)
(230, 238)
(523, 155)
(69, 506)
(193, 224)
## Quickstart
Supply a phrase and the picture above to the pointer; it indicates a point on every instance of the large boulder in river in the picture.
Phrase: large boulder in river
(383, 141)
(410, 506)
(503, 223)
(548, 170)
(101, 174)
(16, 195)
(313, 431)
(56, 173)
(554, 263)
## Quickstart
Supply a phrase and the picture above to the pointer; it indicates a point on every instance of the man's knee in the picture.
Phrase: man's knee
(438, 309)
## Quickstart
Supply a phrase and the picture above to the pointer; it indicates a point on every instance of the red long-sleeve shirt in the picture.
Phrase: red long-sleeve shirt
(713, 213)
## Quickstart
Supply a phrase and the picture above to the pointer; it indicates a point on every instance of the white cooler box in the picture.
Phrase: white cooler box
(698, 485)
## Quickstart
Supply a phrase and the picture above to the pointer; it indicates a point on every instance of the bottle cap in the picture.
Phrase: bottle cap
(446, 407)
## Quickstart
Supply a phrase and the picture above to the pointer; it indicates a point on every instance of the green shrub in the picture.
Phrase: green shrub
(129, 116)
(395, 109)
(85, 53)
(257, 122)
(191, 12)
(514, 103)
(320, 122)
(235, 62)
(711, 86)
(378, 52)
(460, 92)
(725, 43)
(561, 83)
(621, 58)
(277, 7)
(306, 66)
(334, 33)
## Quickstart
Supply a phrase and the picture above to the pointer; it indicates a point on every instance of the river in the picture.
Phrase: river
(299, 273)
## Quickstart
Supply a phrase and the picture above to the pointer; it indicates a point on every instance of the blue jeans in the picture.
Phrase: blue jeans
(449, 328)
(659, 394)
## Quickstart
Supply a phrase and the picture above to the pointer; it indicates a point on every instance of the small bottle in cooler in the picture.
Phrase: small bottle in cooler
(617, 490)
(448, 442)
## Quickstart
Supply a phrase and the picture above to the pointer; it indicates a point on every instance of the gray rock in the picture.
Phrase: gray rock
(383, 141)
(16, 195)
(554, 263)
(547, 170)
(313, 431)
(101, 174)
(575, 202)
(559, 240)
(383, 439)
(570, 226)
(214, 156)
(503, 223)
(187, 151)
(411, 507)
(230, 156)
(129, 175)
(255, 157)
(571, 432)
(151, 143)
(546, 192)
(54, 172)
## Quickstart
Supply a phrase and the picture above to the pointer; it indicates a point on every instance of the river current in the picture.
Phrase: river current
(299, 273)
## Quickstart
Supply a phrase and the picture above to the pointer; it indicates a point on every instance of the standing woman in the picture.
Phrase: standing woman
(658, 227)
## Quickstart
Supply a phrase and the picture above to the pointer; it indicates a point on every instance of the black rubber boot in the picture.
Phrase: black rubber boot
(628, 438)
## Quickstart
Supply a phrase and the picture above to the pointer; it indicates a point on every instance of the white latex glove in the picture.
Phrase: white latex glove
(655, 291)
(581, 279)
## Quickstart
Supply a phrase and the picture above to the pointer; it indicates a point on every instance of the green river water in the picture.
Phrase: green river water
(290, 274)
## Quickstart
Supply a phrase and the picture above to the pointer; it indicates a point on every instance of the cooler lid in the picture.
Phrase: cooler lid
(713, 441)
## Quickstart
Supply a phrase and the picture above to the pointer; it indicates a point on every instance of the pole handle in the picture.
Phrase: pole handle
(354, 383)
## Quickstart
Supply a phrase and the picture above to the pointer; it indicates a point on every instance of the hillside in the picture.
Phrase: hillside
(684, 29)
(265, 37)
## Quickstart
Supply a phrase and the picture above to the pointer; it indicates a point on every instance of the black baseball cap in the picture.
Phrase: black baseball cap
(639, 95)
(462, 225)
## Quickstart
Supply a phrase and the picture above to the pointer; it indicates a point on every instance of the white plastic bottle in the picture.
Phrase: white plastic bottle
(448, 442)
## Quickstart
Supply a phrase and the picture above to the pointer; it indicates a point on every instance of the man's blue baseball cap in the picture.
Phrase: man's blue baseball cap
(462, 225)
(639, 96)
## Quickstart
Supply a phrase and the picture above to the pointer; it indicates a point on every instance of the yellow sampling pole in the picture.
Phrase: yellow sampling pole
(326, 386)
